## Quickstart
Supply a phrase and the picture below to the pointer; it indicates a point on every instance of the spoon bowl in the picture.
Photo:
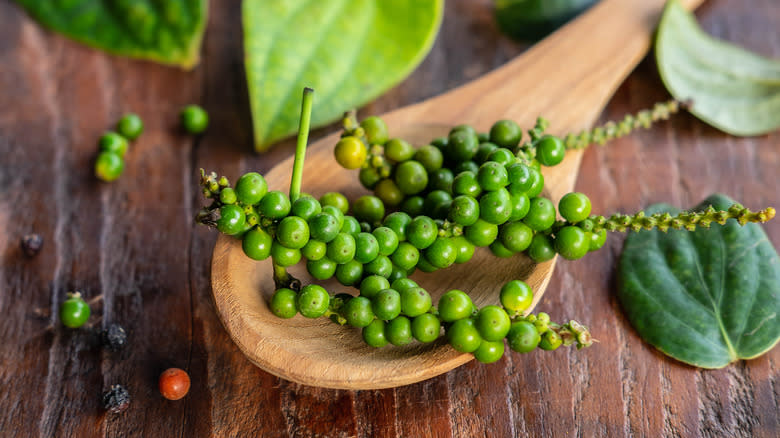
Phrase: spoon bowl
(568, 78)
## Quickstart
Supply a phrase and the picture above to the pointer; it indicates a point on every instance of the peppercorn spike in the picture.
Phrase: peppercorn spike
(688, 220)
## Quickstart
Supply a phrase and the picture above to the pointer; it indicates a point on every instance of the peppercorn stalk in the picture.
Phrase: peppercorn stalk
(281, 277)
(300, 149)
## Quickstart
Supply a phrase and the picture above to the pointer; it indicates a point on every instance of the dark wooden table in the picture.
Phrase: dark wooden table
(131, 246)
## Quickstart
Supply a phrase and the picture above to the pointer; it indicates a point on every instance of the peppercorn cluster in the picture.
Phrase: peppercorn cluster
(431, 207)
(110, 162)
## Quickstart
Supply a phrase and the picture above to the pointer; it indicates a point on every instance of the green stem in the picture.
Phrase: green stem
(300, 149)
(282, 278)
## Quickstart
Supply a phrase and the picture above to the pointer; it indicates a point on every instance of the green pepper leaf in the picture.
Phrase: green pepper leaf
(532, 20)
(349, 52)
(165, 31)
(730, 88)
(706, 297)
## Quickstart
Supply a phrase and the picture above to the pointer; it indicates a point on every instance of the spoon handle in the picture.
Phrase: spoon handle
(568, 77)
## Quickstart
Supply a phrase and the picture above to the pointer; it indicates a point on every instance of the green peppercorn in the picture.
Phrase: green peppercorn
(523, 337)
(493, 323)
(227, 196)
(130, 126)
(492, 176)
(375, 129)
(541, 249)
(437, 204)
(342, 248)
(502, 156)
(74, 311)
(463, 335)
(463, 145)
(257, 244)
(274, 205)
(597, 240)
(550, 150)
(369, 177)
(550, 341)
(366, 247)
(397, 222)
(399, 331)
(442, 252)
(489, 351)
(374, 334)
(506, 133)
(284, 256)
(357, 312)
(350, 152)
(484, 151)
(541, 214)
(386, 239)
(415, 301)
(572, 243)
(388, 192)
(109, 166)
(251, 188)
(516, 236)
(324, 227)
(574, 207)
(465, 183)
(113, 142)
(411, 177)
(454, 305)
(422, 232)
(232, 219)
(335, 199)
(405, 256)
(399, 150)
(499, 250)
(372, 285)
(386, 304)
(441, 179)
(283, 303)
(306, 207)
(381, 265)
(465, 249)
(426, 327)
(350, 226)
(194, 119)
(369, 209)
(293, 232)
(430, 157)
(314, 249)
(313, 301)
(413, 205)
(481, 233)
(496, 207)
(516, 296)
(322, 268)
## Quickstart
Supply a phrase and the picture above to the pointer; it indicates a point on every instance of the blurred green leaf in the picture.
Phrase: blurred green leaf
(730, 88)
(166, 31)
(349, 52)
(531, 20)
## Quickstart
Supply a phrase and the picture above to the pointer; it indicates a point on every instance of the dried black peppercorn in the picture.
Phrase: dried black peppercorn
(117, 399)
(114, 338)
(31, 244)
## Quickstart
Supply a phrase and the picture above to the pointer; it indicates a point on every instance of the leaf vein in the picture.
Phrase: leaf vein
(299, 74)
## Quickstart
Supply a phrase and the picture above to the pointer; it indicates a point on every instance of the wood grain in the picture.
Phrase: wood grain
(133, 242)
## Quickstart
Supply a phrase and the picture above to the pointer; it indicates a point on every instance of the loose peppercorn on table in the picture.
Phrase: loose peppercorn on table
(132, 249)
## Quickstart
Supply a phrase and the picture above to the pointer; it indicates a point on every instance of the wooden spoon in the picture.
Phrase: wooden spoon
(567, 78)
